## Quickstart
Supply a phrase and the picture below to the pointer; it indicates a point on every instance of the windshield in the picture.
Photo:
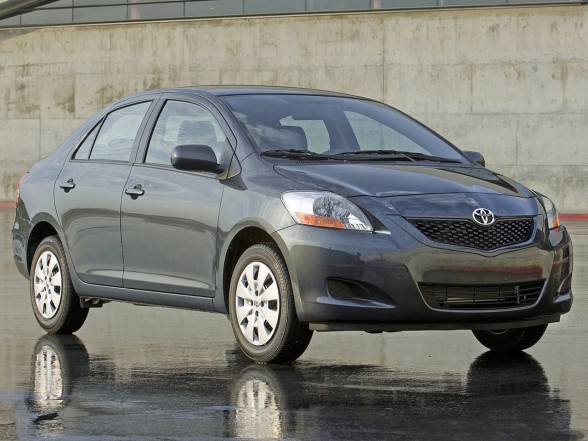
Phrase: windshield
(335, 126)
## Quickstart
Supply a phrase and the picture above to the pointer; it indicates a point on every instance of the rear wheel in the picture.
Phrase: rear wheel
(261, 308)
(55, 303)
(510, 340)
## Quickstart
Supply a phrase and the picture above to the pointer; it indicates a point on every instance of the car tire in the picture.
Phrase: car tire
(55, 303)
(510, 340)
(261, 308)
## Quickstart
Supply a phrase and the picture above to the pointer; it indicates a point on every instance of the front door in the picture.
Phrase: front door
(169, 217)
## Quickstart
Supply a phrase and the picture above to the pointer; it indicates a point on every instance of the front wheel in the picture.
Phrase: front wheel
(55, 303)
(261, 308)
(510, 340)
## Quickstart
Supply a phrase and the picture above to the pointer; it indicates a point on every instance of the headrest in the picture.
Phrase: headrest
(284, 138)
(196, 132)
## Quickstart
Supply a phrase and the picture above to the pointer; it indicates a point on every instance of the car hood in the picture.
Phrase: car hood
(387, 180)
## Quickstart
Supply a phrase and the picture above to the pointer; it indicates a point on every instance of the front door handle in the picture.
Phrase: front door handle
(135, 192)
(67, 186)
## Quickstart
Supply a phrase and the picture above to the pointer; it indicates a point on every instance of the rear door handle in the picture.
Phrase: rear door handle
(135, 192)
(67, 186)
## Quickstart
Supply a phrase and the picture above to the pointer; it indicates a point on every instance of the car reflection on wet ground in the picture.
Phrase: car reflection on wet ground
(143, 373)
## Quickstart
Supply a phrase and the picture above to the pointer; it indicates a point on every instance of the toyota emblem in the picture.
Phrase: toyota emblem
(483, 216)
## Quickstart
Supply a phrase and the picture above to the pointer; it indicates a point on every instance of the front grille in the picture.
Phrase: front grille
(466, 233)
(478, 297)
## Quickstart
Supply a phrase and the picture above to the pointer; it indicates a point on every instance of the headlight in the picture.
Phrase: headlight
(552, 216)
(324, 209)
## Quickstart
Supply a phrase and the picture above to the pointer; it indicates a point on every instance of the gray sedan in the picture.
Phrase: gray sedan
(291, 211)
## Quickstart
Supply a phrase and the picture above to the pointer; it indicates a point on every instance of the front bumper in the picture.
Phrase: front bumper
(387, 270)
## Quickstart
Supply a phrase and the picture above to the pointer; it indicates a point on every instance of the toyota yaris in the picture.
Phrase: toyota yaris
(291, 211)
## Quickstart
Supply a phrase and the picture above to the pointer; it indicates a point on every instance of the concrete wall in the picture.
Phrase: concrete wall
(510, 82)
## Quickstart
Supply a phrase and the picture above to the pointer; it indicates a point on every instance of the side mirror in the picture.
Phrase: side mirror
(195, 158)
(477, 157)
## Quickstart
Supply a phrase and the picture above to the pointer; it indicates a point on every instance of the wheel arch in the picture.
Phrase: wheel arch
(40, 231)
(241, 240)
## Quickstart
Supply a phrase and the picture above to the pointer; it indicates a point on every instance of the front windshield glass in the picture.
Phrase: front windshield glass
(333, 126)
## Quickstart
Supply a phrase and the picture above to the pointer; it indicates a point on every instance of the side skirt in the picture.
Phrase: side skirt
(99, 294)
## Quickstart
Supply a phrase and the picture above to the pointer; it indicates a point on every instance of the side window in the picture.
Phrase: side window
(182, 123)
(83, 151)
(317, 135)
(373, 135)
(117, 135)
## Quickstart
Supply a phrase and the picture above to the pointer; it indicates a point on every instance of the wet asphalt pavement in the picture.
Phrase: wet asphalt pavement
(144, 373)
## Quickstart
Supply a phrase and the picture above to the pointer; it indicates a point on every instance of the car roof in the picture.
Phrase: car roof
(257, 90)
(239, 90)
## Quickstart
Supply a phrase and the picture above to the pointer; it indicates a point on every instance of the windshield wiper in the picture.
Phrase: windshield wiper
(357, 155)
(400, 155)
(296, 154)
(423, 157)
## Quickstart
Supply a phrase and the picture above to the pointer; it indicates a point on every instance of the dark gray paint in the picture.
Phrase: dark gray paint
(171, 246)
(90, 219)
(385, 180)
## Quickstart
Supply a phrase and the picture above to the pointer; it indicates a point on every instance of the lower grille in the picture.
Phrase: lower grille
(474, 297)
(467, 234)
(347, 290)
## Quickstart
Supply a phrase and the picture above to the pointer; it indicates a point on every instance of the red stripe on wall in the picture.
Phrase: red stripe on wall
(573, 216)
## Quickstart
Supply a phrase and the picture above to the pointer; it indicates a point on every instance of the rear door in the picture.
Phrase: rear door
(88, 193)
(169, 217)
